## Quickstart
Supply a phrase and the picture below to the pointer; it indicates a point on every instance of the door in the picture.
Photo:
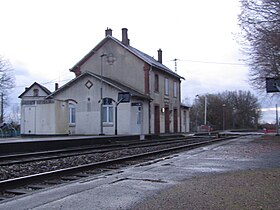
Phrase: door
(136, 119)
(157, 119)
(175, 119)
(166, 116)
(29, 120)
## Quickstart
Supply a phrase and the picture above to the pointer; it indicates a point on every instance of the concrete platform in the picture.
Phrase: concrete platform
(36, 144)
(169, 182)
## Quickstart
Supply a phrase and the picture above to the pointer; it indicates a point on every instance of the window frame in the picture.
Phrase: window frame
(175, 89)
(107, 114)
(166, 86)
(72, 114)
(36, 92)
(156, 83)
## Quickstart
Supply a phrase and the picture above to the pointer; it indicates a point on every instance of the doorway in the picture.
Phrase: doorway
(29, 120)
(157, 119)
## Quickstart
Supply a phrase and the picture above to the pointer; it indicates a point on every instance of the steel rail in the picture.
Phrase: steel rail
(6, 184)
(32, 157)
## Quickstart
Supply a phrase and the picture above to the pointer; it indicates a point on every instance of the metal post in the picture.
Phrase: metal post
(101, 95)
(224, 126)
(2, 108)
(205, 110)
(116, 119)
(277, 121)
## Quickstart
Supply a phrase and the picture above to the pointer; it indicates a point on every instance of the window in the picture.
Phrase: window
(156, 83)
(72, 114)
(107, 114)
(35, 92)
(139, 115)
(175, 89)
(166, 86)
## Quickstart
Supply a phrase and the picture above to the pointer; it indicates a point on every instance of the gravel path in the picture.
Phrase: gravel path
(253, 189)
(240, 190)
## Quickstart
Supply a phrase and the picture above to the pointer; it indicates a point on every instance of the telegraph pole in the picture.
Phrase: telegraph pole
(175, 60)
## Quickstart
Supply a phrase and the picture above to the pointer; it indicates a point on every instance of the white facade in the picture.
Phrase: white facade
(40, 116)
(84, 94)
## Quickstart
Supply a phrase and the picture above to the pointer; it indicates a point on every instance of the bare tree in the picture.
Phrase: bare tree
(6, 84)
(260, 24)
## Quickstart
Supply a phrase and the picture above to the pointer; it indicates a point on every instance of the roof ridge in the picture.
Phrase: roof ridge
(138, 53)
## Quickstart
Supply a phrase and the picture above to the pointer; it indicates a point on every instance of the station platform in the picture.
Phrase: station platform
(37, 144)
(242, 173)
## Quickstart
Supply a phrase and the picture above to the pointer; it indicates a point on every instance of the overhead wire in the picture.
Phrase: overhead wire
(176, 59)
(208, 62)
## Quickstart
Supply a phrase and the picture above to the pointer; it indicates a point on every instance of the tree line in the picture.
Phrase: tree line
(226, 110)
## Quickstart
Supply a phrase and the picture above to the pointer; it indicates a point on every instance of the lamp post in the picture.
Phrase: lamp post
(224, 126)
(205, 109)
(233, 116)
(2, 108)
(101, 94)
(277, 121)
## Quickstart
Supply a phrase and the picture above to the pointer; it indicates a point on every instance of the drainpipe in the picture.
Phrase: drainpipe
(150, 117)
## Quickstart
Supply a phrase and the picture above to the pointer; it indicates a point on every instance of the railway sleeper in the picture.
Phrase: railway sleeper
(37, 186)
(18, 191)
(70, 178)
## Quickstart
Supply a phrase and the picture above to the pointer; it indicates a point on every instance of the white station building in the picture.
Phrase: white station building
(117, 89)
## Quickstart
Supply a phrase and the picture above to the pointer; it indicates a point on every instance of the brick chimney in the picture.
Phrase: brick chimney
(160, 55)
(55, 86)
(108, 32)
(125, 39)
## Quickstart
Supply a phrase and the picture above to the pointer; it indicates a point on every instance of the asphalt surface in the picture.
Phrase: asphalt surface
(243, 173)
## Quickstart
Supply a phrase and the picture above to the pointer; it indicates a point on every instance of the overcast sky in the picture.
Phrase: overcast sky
(43, 39)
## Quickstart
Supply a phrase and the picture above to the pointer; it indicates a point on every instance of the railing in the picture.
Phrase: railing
(8, 130)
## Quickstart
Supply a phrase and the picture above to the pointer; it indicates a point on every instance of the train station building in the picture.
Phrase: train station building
(117, 89)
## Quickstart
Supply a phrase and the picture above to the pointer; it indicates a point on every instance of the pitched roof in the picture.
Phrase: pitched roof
(46, 90)
(143, 56)
(117, 85)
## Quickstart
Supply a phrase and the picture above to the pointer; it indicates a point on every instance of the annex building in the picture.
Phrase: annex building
(117, 89)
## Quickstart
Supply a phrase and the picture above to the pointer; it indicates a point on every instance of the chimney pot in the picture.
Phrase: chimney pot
(160, 56)
(56, 86)
(108, 32)
(125, 39)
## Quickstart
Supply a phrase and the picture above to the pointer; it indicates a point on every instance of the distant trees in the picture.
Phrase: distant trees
(6, 84)
(229, 110)
(260, 24)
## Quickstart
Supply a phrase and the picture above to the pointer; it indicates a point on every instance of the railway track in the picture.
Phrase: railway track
(21, 158)
(26, 184)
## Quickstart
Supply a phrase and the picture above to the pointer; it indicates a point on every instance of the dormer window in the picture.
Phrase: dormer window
(36, 92)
